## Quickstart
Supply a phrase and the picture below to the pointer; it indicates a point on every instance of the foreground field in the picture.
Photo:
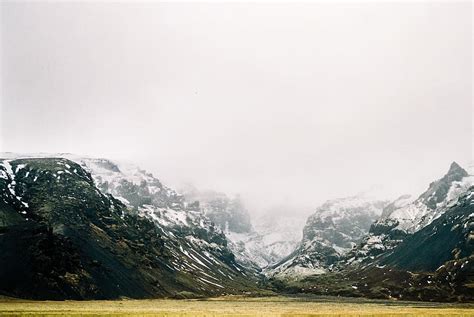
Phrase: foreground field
(233, 306)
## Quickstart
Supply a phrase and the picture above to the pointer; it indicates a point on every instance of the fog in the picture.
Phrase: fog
(286, 104)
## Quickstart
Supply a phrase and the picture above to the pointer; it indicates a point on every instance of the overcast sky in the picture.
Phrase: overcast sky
(281, 103)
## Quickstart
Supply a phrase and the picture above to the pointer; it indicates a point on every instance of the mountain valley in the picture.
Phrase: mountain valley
(76, 227)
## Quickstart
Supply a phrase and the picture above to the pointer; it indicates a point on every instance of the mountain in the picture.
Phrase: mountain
(274, 237)
(331, 231)
(419, 249)
(357, 230)
(84, 228)
(436, 263)
(229, 214)
(281, 231)
(87, 228)
(404, 217)
(449, 237)
(258, 244)
(232, 218)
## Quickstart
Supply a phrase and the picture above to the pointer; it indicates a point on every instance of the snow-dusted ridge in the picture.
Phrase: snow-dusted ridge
(337, 232)
(261, 241)
(271, 240)
(146, 195)
(406, 216)
(358, 229)
(194, 244)
(330, 232)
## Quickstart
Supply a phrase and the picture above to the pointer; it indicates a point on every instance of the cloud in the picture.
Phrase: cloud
(283, 103)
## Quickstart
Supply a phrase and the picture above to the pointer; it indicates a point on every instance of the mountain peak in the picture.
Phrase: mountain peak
(438, 190)
(455, 168)
(455, 173)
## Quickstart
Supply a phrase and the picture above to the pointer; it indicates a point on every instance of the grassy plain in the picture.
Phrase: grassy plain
(233, 306)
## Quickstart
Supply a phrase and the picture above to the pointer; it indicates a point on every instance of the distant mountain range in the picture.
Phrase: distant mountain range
(404, 217)
(74, 227)
(330, 232)
(418, 249)
(269, 239)
(232, 218)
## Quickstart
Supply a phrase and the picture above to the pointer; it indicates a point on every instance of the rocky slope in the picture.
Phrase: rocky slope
(89, 228)
(85, 228)
(227, 213)
(281, 231)
(232, 218)
(333, 229)
(258, 243)
(436, 263)
(273, 239)
(448, 237)
(404, 217)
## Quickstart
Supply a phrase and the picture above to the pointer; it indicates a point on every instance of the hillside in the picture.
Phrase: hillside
(416, 250)
(257, 242)
(65, 234)
(403, 217)
(85, 228)
(330, 232)
(435, 264)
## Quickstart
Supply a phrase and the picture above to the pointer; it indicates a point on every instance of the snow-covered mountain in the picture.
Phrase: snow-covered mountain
(418, 249)
(227, 213)
(331, 231)
(231, 217)
(261, 241)
(80, 227)
(130, 234)
(282, 231)
(405, 216)
(449, 237)
(272, 239)
(435, 263)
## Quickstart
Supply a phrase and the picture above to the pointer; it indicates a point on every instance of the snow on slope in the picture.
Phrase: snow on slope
(192, 238)
(132, 186)
(405, 217)
(262, 241)
(272, 239)
(440, 195)
(281, 233)
(331, 231)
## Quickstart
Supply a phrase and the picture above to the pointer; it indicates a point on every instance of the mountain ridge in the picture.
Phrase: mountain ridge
(405, 217)
(88, 228)
(139, 250)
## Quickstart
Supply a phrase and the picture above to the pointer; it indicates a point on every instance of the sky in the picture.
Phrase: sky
(286, 104)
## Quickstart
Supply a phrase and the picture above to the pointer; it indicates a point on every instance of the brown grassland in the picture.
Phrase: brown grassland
(233, 306)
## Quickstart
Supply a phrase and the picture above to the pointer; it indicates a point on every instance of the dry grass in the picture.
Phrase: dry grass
(232, 306)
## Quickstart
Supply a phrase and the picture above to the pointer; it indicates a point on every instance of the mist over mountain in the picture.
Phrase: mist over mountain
(87, 228)
(404, 217)
(260, 240)
(229, 214)
(194, 150)
(331, 231)
(419, 249)
(236, 108)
